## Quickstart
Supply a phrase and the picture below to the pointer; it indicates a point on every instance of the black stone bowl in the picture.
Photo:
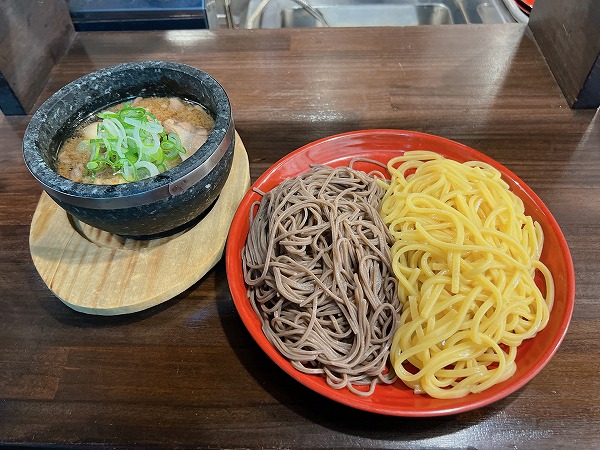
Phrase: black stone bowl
(147, 208)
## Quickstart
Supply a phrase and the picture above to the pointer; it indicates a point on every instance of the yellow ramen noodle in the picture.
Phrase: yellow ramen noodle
(465, 255)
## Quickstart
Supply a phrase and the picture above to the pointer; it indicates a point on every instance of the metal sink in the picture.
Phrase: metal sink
(356, 13)
(368, 15)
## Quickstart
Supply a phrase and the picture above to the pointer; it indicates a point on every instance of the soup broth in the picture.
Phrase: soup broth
(85, 156)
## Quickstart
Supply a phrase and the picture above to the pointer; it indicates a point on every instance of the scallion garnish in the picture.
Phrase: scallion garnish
(133, 144)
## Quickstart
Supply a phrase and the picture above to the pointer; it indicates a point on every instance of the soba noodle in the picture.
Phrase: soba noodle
(317, 266)
(465, 255)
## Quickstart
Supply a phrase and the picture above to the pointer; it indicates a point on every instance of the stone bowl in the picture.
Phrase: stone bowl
(151, 207)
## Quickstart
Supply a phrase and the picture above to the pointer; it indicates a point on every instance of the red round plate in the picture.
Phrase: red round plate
(382, 145)
(528, 2)
(523, 7)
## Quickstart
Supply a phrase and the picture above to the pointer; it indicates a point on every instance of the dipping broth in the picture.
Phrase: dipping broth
(84, 156)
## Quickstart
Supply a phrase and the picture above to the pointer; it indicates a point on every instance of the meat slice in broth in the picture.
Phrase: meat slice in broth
(191, 137)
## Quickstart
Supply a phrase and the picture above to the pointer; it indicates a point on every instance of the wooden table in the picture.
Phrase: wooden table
(187, 373)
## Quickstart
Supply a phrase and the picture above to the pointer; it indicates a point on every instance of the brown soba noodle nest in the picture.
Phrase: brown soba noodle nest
(318, 270)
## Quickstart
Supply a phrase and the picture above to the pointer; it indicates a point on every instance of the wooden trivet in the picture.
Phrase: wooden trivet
(96, 272)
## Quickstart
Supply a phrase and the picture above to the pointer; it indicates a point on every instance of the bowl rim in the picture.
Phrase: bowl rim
(169, 183)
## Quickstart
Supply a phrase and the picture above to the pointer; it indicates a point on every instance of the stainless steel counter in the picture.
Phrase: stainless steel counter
(352, 13)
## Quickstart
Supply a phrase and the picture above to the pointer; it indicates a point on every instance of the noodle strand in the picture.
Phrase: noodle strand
(319, 276)
(466, 256)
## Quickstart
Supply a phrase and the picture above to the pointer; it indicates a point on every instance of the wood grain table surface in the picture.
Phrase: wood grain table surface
(187, 373)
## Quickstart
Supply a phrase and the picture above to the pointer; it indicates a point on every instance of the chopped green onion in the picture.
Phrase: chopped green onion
(128, 171)
(151, 168)
(158, 157)
(133, 143)
(96, 166)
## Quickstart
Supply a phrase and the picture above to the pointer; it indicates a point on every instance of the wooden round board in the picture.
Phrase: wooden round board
(96, 272)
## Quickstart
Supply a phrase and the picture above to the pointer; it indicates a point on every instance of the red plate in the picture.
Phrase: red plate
(382, 145)
(523, 7)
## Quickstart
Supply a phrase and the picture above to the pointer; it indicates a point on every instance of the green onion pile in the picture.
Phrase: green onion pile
(133, 143)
